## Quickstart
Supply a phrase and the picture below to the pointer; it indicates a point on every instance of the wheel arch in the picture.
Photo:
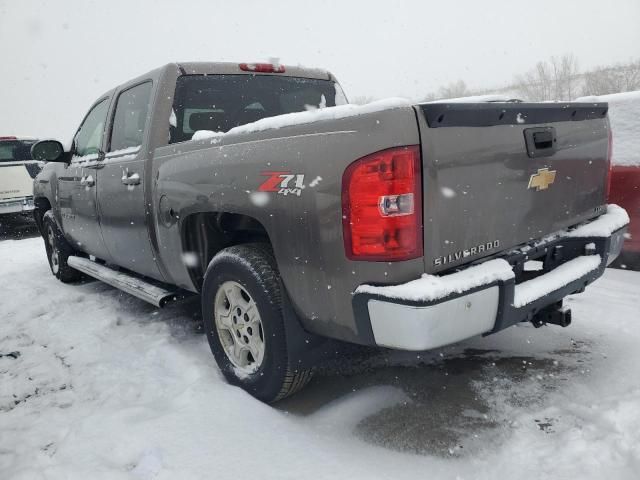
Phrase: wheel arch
(42, 206)
(203, 234)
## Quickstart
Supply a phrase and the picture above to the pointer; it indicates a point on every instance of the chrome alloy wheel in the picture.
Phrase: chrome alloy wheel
(239, 327)
(54, 255)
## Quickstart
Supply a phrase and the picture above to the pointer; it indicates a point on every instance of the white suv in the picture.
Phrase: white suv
(17, 171)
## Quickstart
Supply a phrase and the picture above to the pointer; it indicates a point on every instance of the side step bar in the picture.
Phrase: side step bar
(126, 282)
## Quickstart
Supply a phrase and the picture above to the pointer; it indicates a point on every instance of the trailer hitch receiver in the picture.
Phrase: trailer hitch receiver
(554, 314)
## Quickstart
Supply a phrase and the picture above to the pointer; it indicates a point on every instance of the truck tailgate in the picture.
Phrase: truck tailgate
(497, 175)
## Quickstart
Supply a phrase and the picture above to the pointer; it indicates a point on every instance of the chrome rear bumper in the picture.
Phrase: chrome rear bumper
(400, 317)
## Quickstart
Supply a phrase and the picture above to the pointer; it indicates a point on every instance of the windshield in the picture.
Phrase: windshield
(221, 102)
(15, 150)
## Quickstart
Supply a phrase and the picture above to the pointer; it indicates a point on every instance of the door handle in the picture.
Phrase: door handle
(130, 178)
(87, 181)
(541, 141)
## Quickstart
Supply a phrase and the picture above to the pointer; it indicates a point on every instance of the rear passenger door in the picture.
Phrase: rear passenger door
(121, 184)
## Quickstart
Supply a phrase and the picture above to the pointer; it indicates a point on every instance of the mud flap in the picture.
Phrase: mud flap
(305, 350)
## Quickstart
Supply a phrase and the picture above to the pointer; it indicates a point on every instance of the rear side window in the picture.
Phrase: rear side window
(15, 150)
(221, 102)
(88, 140)
(130, 119)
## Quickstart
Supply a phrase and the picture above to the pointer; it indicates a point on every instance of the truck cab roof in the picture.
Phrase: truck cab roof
(231, 68)
(226, 68)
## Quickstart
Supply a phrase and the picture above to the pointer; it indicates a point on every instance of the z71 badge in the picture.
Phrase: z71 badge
(283, 183)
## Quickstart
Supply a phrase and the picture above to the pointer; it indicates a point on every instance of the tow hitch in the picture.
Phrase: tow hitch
(554, 314)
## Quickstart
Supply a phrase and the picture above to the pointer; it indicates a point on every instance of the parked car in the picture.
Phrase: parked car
(17, 170)
(298, 217)
(624, 190)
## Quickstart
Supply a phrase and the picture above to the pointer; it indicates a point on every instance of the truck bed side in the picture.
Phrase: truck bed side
(305, 230)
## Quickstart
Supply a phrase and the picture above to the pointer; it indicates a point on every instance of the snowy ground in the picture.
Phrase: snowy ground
(96, 384)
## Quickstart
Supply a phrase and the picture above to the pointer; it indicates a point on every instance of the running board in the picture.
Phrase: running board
(126, 282)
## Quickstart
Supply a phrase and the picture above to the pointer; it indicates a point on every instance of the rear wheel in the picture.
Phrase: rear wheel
(242, 314)
(58, 250)
(239, 327)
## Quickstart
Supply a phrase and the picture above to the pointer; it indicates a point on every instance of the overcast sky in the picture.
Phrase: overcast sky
(58, 56)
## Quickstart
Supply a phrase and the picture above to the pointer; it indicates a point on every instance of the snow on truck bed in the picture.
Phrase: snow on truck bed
(624, 115)
(95, 384)
(310, 116)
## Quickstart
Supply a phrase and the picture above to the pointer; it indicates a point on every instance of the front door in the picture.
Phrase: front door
(121, 185)
(77, 185)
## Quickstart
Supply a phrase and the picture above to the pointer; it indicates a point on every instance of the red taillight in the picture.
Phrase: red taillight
(8, 138)
(382, 206)
(607, 188)
(261, 67)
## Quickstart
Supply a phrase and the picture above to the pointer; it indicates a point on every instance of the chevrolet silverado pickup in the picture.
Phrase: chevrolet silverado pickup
(298, 217)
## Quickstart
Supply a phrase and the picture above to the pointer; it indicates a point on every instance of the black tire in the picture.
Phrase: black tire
(58, 250)
(253, 267)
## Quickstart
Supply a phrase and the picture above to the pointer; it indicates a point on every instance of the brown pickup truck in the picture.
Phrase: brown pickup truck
(298, 217)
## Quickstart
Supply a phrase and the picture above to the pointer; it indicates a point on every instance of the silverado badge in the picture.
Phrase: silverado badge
(542, 179)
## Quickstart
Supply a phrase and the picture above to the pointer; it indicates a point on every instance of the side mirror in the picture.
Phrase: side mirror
(49, 151)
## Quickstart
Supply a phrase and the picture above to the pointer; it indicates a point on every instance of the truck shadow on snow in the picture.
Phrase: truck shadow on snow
(452, 404)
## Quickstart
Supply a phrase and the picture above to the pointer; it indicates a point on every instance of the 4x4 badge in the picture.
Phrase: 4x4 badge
(542, 179)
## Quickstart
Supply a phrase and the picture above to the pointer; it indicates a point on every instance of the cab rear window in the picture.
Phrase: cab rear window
(220, 102)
